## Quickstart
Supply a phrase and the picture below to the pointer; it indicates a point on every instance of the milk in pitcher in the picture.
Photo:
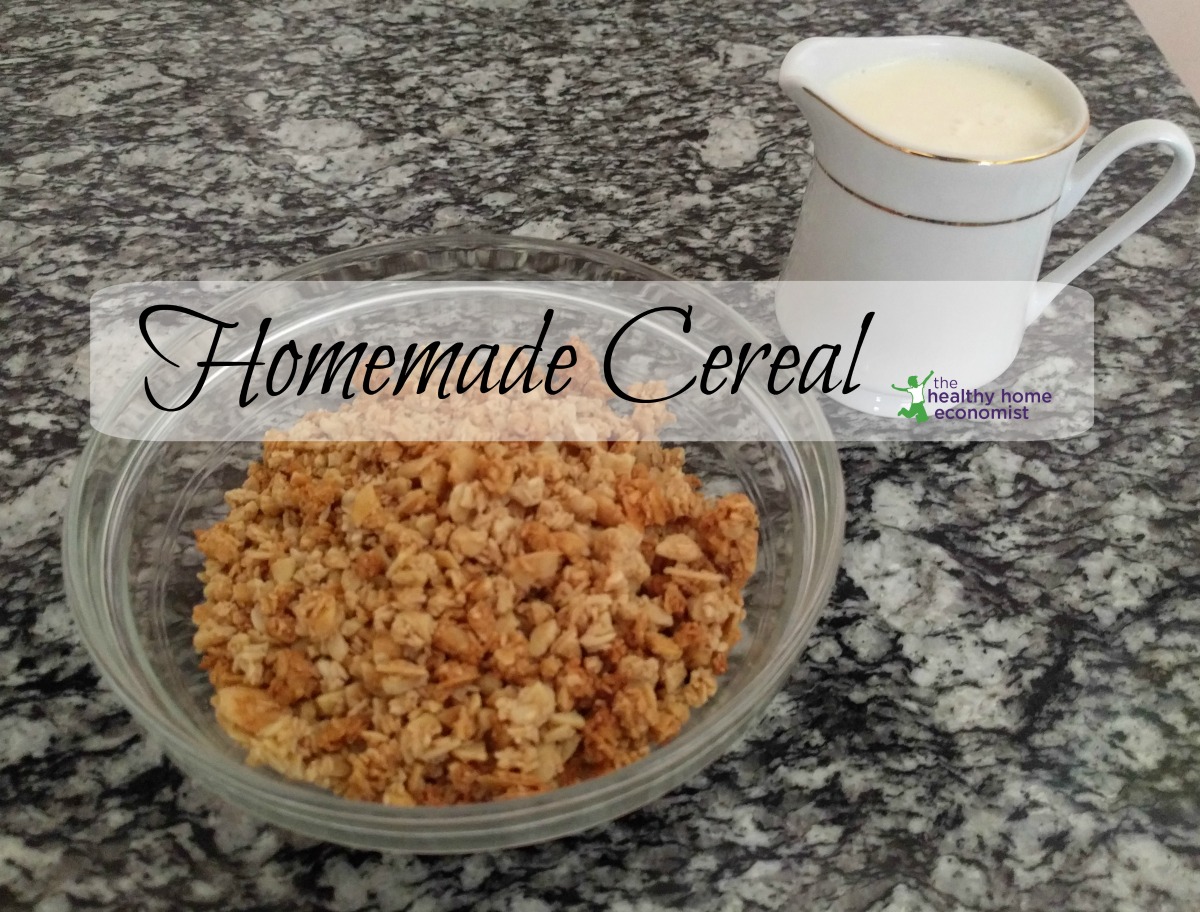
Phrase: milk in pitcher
(952, 108)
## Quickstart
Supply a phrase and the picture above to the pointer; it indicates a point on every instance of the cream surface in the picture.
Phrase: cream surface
(952, 107)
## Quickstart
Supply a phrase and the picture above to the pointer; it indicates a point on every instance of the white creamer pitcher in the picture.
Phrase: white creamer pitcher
(877, 209)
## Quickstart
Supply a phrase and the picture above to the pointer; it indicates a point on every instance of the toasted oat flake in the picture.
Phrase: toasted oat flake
(440, 623)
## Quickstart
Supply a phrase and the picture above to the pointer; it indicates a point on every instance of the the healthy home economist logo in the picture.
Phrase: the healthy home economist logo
(947, 400)
(916, 390)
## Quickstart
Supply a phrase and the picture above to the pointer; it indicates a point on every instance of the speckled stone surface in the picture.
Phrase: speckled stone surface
(1000, 710)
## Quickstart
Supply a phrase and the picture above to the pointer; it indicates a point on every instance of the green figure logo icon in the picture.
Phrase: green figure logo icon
(917, 392)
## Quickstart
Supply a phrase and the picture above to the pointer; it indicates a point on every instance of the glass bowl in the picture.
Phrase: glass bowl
(131, 564)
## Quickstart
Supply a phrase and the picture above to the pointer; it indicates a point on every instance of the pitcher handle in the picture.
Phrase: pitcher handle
(1084, 174)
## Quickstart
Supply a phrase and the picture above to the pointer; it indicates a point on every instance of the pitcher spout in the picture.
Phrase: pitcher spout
(809, 66)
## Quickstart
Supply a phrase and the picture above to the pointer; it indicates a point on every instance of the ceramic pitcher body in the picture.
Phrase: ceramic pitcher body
(876, 208)
(879, 208)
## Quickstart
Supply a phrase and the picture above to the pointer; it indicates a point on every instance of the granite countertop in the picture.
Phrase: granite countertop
(1001, 708)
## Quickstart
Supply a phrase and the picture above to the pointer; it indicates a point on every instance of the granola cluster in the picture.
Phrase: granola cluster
(438, 623)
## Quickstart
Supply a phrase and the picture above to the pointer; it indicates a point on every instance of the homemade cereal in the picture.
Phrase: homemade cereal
(439, 623)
